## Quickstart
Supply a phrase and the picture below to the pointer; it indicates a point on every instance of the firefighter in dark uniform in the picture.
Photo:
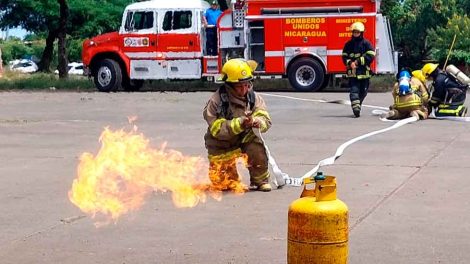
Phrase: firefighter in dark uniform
(358, 55)
(448, 97)
(232, 113)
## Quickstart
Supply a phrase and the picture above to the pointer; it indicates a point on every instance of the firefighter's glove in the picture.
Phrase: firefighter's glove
(257, 122)
(353, 64)
(246, 122)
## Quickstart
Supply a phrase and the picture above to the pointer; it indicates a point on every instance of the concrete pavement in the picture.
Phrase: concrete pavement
(407, 190)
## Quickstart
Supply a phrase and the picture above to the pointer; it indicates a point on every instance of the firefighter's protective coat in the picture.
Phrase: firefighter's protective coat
(448, 96)
(226, 138)
(415, 101)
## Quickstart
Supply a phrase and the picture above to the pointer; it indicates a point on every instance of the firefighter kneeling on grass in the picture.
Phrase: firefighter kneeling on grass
(232, 113)
(410, 96)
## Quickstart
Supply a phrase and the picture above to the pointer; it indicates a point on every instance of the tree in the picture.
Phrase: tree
(89, 18)
(441, 37)
(411, 20)
(34, 16)
(62, 34)
(86, 18)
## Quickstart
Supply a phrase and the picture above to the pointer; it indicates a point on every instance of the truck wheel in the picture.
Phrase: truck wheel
(132, 85)
(108, 76)
(306, 75)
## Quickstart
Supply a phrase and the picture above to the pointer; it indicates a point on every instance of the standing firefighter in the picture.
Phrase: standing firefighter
(358, 54)
(410, 96)
(210, 18)
(448, 97)
(231, 113)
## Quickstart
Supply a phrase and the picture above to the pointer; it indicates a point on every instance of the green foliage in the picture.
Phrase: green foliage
(411, 20)
(89, 18)
(15, 49)
(464, 5)
(441, 39)
(75, 49)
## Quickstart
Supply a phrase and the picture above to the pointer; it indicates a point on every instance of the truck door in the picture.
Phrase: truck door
(139, 34)
(179, 42)
(180, 34)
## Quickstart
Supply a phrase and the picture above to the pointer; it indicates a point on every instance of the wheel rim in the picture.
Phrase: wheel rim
(305, 75)
(104, 76)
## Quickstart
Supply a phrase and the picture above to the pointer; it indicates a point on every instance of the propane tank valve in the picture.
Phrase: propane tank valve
(319, 177)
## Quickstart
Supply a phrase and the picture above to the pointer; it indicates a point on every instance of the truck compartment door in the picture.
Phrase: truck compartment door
(165, 69)
(386, 56)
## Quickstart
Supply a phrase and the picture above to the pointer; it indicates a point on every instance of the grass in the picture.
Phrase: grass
(382, 83)
(43, 81)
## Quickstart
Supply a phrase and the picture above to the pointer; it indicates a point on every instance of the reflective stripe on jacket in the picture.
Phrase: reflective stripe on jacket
(224, 134)
(361, 51)
(412, 101)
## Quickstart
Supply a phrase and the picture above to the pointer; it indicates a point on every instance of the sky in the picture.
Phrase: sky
(17, 32)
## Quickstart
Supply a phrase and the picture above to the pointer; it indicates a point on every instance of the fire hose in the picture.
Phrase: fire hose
(281, 178)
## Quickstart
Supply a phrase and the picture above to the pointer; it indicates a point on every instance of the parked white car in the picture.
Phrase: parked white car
(75, 68)
(24, 66)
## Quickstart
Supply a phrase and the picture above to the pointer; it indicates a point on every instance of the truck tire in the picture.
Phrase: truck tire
(132, 85)
(306, 75)
(108, 76)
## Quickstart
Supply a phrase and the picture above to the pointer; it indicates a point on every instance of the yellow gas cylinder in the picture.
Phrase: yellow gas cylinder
(318, 225)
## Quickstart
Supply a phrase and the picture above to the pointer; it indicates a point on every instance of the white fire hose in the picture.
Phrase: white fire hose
(280, 178)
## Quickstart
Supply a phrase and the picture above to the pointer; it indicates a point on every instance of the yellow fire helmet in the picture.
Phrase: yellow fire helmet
(238, 70)
(428, 68)
(358, 26)
(419, 75)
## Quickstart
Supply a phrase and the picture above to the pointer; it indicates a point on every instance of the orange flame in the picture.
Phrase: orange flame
(126, 169)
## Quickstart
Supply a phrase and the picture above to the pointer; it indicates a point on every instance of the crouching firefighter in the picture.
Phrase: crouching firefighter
(231, 113)
(448, 97)
(410, 96)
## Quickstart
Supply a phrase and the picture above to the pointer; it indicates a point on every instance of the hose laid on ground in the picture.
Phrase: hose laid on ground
(282, 178)
(279, 176)
(381, 113)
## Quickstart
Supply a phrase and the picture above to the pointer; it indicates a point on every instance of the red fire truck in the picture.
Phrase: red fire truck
(301, 40)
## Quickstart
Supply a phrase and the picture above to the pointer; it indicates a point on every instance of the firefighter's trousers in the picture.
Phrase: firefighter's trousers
(211, 41)
(451, 110)
(357, 92)
(421, 112)
(223, 170)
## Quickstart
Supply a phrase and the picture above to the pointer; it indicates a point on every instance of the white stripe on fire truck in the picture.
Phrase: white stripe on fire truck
(334, 52)
(276, 53)
(281, 53)
(141, 55)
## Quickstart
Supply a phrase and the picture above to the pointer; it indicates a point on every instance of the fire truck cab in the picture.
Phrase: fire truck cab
(301, 40)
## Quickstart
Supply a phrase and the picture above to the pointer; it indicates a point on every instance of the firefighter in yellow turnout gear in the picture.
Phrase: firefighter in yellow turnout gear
(232, 113)
(410, 96)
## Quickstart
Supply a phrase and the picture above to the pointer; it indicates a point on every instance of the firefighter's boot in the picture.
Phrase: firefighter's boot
(357, 111)
(265, 187)
(258, 166)
(464, 111)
